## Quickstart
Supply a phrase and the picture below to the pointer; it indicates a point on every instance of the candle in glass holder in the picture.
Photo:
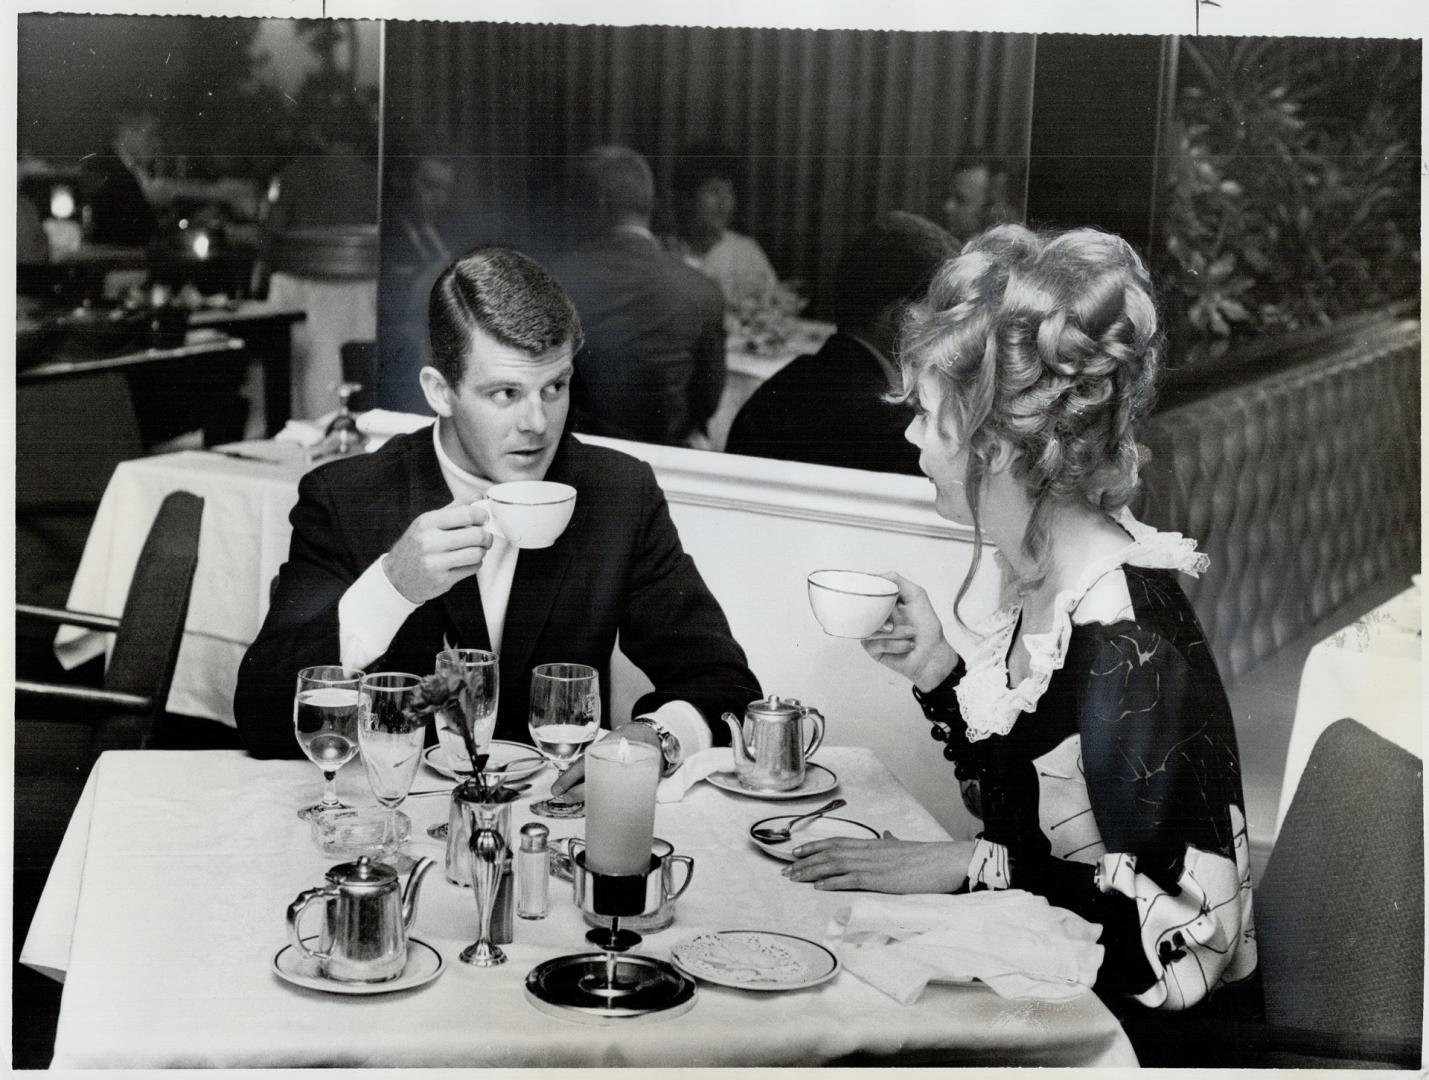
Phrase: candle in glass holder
(620, 781)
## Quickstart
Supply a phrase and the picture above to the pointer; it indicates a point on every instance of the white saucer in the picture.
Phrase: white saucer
(502, 751)
(424, 964)
(817, 780)
(824, 828)
(755, 960)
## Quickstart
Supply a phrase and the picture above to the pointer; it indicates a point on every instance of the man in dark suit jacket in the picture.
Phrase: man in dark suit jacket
(390, 557)
(829, 408)
(652, 368)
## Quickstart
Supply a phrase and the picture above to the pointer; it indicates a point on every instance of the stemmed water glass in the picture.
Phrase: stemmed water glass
(481, 671)
(325, 708)
(391, 735)
(565, 719)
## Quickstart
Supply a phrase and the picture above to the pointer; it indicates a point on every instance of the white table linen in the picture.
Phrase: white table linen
(242, 543)
(1369, 671)
(183, 864)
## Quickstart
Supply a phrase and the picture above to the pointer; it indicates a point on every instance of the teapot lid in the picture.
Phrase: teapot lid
(363, 872)
(774, 707)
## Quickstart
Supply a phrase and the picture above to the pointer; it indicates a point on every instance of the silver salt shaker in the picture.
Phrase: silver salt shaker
(533, 882)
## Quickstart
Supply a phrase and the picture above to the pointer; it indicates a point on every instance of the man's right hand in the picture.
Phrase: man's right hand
(438, 549)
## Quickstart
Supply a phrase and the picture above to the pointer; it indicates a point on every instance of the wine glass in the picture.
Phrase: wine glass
(325, 719)
(482, 671)
(565, 719)
(391, 736)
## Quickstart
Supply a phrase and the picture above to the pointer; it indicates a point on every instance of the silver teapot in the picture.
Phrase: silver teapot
(366, 917)
(769, 748)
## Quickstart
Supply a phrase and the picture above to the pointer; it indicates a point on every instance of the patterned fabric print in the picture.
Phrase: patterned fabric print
(1118, 796)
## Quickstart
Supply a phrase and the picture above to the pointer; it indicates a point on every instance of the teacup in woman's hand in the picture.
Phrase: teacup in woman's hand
(850, 603)
(529, 513)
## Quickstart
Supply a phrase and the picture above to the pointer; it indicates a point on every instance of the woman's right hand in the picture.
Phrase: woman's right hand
(911, 642)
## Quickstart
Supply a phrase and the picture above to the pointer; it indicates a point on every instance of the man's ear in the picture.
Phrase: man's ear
(437, 390)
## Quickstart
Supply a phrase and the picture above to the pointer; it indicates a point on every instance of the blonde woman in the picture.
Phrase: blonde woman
(1088, 728)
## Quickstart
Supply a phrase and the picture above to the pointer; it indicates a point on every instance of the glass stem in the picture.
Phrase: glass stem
(330, 798)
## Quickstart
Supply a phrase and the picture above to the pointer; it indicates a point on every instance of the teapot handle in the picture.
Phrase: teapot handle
(815, 742)
(295, 913)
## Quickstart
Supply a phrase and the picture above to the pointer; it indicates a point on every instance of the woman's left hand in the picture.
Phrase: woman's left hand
(888, 865)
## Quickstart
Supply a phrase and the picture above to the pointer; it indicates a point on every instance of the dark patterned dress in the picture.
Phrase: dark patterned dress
(1108, 780)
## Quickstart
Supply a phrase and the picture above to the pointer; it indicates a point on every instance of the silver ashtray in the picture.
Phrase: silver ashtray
(598, 988)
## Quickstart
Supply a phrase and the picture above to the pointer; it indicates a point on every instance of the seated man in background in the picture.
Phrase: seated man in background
(828, 408)
(652, 368)
(390, 557)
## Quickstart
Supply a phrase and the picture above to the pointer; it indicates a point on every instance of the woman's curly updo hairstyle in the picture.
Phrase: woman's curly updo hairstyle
(1049, 341)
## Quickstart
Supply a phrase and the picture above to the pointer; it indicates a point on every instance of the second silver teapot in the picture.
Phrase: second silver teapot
(769, 747)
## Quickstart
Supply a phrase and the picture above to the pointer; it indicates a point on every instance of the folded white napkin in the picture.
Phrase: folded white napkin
(303, 432)
(1015, 942)
(385, 423)
(699, 766)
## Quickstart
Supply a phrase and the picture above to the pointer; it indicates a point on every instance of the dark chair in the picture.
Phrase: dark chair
(59, 731)
(124, 711)
(1339, 918)
(1340, 909)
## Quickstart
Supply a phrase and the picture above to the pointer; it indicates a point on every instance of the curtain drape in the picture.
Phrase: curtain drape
(831, 126)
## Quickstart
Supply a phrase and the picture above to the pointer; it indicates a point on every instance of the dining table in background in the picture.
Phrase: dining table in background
(242, 543)
(267, 330)
(750, 362)
(1370, 671)
(165, 909)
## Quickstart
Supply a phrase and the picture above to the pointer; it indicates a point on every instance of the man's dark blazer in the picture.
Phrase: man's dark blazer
(652, 368)
(618, 568)
(827, 409)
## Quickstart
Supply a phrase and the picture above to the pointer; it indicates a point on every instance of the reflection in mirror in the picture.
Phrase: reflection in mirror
(768, 154)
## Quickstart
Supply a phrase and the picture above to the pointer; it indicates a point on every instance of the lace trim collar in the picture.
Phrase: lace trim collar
(988, 705)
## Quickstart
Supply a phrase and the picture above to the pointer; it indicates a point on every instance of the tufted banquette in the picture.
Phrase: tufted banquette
(1302, 486)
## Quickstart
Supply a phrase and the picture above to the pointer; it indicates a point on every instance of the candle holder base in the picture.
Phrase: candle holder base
(482, 954)
(607, 988)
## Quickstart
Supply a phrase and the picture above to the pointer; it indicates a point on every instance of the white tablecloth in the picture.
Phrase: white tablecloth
(1371, 672)
(167, 903)
(243, 541)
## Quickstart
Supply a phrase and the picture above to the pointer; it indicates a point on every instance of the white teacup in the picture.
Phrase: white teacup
(529, 513)
(850, 603)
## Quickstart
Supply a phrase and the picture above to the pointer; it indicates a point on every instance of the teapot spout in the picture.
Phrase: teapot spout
(736, 741)
(414, 886)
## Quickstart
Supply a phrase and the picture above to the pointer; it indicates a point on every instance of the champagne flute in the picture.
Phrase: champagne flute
(391, 736)
(565, 719)
(482, 673)
(325, 720)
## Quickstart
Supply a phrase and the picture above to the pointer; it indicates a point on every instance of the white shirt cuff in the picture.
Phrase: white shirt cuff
(369, 615)
(685, 722)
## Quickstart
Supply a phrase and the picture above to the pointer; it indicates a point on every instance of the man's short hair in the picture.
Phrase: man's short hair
(891, 261)
(615, 180)
(508, 297)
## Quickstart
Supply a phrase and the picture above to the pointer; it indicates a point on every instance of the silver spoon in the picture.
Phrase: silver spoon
(779, 835)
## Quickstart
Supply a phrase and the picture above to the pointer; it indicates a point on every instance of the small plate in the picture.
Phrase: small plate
(817, 780)
(824, 828)
(502, 751)
(424, 964)
(755, 960)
